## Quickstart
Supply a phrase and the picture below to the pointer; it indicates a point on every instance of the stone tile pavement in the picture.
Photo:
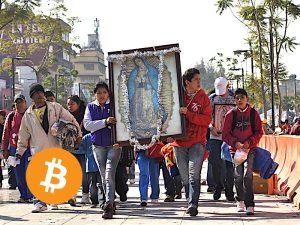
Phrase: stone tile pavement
(269, 210)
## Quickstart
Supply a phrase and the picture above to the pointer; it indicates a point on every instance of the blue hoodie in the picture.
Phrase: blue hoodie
(86, 148)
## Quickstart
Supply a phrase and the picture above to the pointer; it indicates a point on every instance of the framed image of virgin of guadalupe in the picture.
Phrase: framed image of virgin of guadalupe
(146, 94)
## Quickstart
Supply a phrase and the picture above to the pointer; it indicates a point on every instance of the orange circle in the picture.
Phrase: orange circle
(54, 175)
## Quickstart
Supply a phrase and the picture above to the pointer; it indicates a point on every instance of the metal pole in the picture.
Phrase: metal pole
(55, 78)
(271, 73)
(13, 78)
(243, 78)
(287, 105)
(295, 95)
(79, 90)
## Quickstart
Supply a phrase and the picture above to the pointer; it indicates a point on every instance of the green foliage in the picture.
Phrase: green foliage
(208, 74)
(263, 18)
(46, 31)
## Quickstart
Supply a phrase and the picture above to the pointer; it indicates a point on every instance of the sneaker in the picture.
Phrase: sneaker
(169, 198)
(217, 195)
(53, 207)
(240, 206)
(12, 188)
(94, 206)
(178, 196)
(132, 181)
(108, 212)
(154, 200)
(85, 198)
(72, 201)
(143, 203)
(192, 211)
(211, 189)
(22, 200)
(38, 207)
(123, 198)
(250, 211)
(230, 198)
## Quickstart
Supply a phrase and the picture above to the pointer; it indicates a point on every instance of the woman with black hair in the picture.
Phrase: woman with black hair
(77, 108)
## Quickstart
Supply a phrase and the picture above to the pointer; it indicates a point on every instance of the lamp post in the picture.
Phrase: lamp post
(237, 52)
(13, 72)
(55, 79)
(243, 78)
(293, 77)
(272, 72)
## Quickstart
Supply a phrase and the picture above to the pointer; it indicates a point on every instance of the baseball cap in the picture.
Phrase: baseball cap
(221, 85)
(19, 96)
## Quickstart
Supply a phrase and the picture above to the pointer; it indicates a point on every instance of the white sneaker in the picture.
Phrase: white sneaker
(53, 207)
(38, 207)
(240, 206)
(250, 211)
(85, 198)
(154, 200)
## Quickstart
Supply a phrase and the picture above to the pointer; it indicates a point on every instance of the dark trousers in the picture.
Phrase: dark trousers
(1, 174)
(221, 168)
(173, 185)
(121, 180)
(96, 188)
(81, 160)
(243, 180)
(210, 177)
(12, 181)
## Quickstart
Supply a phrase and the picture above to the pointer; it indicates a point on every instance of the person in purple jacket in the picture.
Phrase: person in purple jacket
(98, 120)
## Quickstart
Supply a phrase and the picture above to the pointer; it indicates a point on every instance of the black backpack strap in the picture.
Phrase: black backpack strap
(234, 119)
(252, 120)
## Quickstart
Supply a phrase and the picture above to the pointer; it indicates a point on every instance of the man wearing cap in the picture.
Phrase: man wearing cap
(36, 125)
(221, 101)
(9, 145)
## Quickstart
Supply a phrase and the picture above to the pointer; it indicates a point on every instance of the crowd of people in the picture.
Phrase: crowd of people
(210, 121)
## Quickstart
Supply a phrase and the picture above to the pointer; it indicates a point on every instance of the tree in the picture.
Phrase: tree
(65, 81)
(208, 74)
(47, 36)
(15, 10)
(280, 13)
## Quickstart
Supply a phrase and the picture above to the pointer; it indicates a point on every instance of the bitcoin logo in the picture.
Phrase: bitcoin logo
(54, 175)
(61, 176)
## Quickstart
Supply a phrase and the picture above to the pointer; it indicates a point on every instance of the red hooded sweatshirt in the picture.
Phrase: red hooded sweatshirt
(242, 131)
(197, 119)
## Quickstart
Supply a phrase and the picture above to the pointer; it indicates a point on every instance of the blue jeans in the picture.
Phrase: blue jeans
(96, 189)
(149, 169)
(84, 183)
(222, 170)
(189, 162)
(107, 160)
(243, 179)
(20, 173)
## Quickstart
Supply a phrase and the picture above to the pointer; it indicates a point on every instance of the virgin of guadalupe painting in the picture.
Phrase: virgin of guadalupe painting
(135, 80)
(142, 86)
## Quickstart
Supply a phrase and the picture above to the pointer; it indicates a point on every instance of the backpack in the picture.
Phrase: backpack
(66, 134)
(252, 119)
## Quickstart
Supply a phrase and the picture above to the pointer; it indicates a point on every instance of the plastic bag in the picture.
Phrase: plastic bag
(240, 156)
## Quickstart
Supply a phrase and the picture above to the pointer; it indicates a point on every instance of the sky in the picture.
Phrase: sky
(200, 31)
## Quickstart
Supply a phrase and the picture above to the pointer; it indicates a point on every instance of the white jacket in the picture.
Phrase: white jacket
(32, 130)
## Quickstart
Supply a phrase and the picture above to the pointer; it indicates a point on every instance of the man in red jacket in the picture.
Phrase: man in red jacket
(9, 145)
(189, 151)
(239, 134)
